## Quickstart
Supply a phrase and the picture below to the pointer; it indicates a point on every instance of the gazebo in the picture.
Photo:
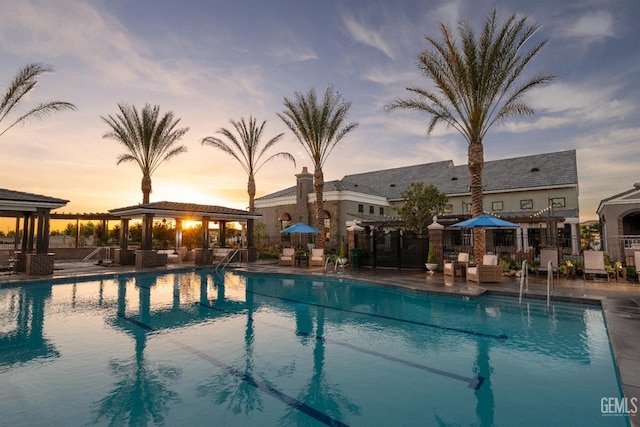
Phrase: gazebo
(33, 257)
(145, 256)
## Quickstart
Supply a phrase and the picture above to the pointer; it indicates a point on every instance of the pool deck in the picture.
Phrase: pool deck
(620, 301)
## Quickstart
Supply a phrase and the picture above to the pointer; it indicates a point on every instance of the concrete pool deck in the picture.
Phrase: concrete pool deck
(620, 301)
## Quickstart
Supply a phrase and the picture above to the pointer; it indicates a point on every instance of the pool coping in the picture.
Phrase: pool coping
(620, 303)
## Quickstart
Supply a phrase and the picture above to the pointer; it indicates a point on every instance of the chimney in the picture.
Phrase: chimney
(304, 186)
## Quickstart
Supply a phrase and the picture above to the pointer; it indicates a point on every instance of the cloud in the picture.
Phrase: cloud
(367, 36)
(592, 26)
(563, 104)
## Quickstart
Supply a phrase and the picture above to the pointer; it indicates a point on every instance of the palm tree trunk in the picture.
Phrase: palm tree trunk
(146, 188)
(318, 183)
(251, 189)
(476, 164)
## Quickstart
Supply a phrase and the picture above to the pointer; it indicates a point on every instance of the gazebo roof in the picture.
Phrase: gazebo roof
(12, 202)
(184, 211)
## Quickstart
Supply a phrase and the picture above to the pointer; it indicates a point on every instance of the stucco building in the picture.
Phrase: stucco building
(539, 192)
(620, 223)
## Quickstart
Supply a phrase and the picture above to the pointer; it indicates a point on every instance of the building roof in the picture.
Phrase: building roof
(13, 201)
(626, 197)
(184, 210)
(540, 170)
(535, 171)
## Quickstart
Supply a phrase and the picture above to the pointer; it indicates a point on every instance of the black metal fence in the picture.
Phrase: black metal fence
(393, 249)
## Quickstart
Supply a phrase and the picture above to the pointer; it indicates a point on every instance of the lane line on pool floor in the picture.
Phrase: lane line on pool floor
(472, 382)
(271, 391)
(500, 337)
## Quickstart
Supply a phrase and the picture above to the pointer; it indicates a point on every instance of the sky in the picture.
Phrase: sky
(212, 61)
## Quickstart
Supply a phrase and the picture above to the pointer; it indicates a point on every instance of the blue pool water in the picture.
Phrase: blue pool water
(196, 348)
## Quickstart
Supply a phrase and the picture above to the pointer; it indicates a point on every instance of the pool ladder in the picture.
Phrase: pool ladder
(524, 282)
(549, 282)
(227, 259)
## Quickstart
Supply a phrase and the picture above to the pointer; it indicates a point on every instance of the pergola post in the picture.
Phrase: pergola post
(16, 236)
(252, 253)
(223, 234)
(42, 239)
(147, 232)
(122, 255)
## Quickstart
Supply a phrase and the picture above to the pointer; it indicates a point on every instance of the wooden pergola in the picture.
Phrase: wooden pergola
(180, 212)
(35, 211)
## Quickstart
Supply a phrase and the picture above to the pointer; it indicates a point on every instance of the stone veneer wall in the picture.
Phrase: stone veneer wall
(39, 264)
(146, 259)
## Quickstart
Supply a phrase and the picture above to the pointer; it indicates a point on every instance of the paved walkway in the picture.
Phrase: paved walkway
(620, 301)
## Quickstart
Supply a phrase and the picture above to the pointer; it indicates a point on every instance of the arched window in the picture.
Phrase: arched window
(285, 220)
(327, 224)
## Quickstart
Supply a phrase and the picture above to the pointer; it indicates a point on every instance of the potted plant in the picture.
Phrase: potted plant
(431, 263)
(342, 256)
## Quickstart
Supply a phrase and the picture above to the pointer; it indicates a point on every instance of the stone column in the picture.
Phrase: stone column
(575, 239)
(436, 239)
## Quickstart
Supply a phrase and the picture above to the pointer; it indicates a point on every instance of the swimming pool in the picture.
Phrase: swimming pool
(196, 348)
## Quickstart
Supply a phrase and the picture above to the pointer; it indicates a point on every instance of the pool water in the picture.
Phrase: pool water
(198, 348)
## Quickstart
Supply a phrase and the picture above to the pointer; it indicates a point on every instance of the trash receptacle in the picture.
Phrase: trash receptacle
(355, 257)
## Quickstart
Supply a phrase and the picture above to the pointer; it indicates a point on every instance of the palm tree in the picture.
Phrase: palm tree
(20, 86)
(478, 82)
(246, 149)
(150, 140)
(319, 125)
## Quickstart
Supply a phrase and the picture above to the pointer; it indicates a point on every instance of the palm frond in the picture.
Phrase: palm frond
(23, 83)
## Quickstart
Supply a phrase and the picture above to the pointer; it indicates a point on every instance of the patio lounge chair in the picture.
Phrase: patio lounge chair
(547, 255)
(288, 257)
(594, 264)
(317, 258)
(458, 266)
(488, 271)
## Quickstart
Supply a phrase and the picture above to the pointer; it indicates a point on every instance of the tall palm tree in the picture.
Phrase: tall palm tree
(246, 149)
(478, 82)
(20, 86)
(319, 125)
(149, 139)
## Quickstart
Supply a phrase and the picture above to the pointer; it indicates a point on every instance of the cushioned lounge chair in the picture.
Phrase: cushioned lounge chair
(547, 255)
(594, 264)
(288, 257)
(317, 258)
(488, 271)
(453, 268)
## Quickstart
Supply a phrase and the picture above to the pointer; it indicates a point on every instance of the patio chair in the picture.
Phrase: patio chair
(456, 267)
(594, 264)
(288, 257)
(317, 258)
(488, 271)
(547, 255)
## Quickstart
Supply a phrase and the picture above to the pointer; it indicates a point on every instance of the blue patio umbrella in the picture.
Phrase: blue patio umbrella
(300, 228)
(485, 221)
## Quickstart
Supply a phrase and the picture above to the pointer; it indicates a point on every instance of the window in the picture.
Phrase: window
(526, 204)
(448, 208)
(371, 211)
(381, 211)
(327, 228)
(558, 202)
(503, 237)
(497, 206)
(467, 207)
(360, 208)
